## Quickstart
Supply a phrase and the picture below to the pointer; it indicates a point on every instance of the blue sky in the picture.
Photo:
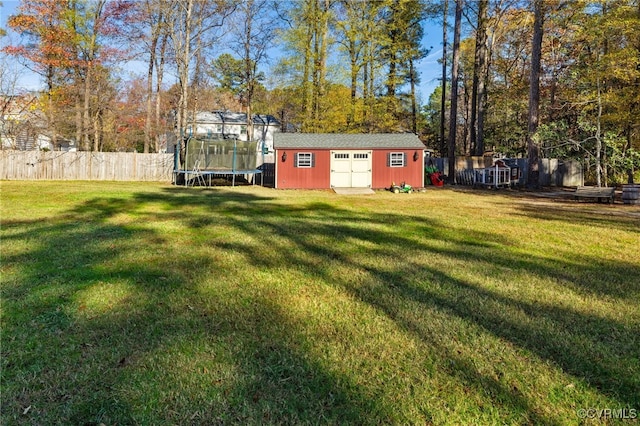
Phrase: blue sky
(428, 67)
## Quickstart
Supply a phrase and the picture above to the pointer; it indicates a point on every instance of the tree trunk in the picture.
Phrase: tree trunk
(306, 75)
(351, 118)
(249, 73)
(96, 132)
(91, 55)
(533, 151)
(391, 78)
(86, 107)
(372, 99)
(320, 33)
(453, 115)
(159, 79)
(182, 46)
(78, 115)
(478, 76)
(51, 123)
(316, 66)
(365, 86)
(630, 171)
(195, 85)
(155, 14)
(414, 106)
(482, 103)
(147, 123)
(599, 137)
(443, 99)
(323, 52)
(467, 147)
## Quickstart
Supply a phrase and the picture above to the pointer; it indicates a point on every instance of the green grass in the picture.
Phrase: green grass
(132, 303)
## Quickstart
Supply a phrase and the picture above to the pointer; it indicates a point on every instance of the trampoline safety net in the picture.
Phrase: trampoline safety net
(220, 155)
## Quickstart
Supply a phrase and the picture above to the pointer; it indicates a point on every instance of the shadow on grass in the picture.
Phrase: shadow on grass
(565, 209)
(82, 365)
(93, 363)
(600, 351)
(619, 217)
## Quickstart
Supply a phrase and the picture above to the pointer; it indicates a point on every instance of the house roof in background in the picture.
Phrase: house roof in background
(347, 141)
(228, 117)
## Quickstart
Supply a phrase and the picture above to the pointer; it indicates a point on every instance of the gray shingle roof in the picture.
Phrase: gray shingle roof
(227, 117)
(346, 141)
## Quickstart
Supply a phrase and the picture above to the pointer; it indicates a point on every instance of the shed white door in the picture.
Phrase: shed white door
(351, 169)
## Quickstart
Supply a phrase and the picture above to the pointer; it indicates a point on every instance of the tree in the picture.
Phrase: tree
(228, 72)
(599, 87)
(307, 38)
(415, 52)
(46, 49)
(253, 30)
(3, 32)
(351, 24)
(509, 54)
(88, 22)
(480, 70)
(453, 115)
(381, 42)
(18, 114)
(533, 151)
(432, 114)
(146, 30)
(443, 86)
(401, 49)
(193, 27)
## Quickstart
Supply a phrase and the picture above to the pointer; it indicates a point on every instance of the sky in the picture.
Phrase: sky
(429, 68)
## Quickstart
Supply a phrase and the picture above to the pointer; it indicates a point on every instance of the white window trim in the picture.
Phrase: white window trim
(307, 162)
(396, 159)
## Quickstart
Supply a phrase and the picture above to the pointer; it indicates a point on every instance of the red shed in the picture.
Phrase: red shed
(327, 160)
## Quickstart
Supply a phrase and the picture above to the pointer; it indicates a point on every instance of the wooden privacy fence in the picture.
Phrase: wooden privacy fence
(553, 172)
(56, 165)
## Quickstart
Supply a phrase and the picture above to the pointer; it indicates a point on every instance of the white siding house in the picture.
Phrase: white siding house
(227, 124)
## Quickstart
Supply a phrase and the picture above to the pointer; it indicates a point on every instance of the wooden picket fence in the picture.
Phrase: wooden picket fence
(115, 166)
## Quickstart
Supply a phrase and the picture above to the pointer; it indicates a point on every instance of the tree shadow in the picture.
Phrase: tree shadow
(96, 366)
(85, 364)
(615, 217)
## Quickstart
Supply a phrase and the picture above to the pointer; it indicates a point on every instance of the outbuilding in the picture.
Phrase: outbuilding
(327, 160)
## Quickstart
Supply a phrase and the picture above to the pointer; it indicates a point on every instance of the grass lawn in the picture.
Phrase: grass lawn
(127, 303)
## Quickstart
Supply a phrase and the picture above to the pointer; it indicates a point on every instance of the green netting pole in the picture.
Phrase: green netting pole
(233, 165)
(176, 162)
(178, 156)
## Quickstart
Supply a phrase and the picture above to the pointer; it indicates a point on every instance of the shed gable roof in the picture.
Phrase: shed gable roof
(347, 141)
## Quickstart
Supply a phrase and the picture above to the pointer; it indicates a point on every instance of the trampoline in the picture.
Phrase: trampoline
(205, 158)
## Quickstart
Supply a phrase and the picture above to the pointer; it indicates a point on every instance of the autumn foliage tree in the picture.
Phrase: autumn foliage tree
(345, 66)
(586, 105)
(47, 48)
(66, 42)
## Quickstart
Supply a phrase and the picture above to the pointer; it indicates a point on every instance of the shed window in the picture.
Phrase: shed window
(304, 160)
(397, 159)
